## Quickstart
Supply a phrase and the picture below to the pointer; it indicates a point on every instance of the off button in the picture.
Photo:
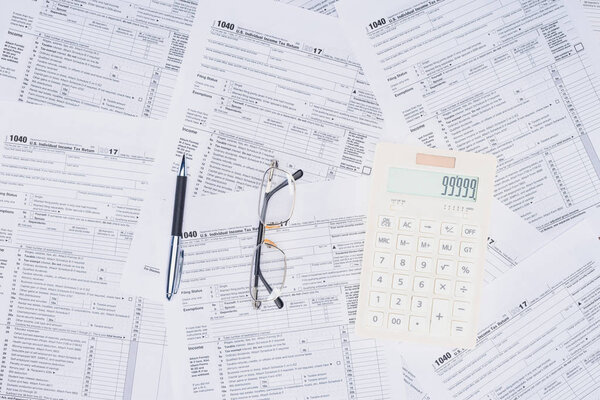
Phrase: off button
(470, 231)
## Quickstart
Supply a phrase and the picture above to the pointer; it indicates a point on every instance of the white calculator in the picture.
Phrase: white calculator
(424, 253)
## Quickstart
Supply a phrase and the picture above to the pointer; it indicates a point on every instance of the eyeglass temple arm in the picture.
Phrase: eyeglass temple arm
(261, 230)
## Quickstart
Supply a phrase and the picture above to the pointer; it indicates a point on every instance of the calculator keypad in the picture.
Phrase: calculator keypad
(422, 276)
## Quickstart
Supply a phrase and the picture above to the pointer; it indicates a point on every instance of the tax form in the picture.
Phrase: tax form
(69, 202)
(539, 336)
(516, 79)
(592, 13)
(120, 56)
(254, 88)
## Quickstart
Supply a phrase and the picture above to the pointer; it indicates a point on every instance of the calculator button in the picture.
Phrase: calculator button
(447, 247)
(405, 243)
(424, 264)
(420, 305)
(375, 318)
(446, 267)
(449, 229)
(425, 245)
(422, 285)
(470, 231)
(377, 299)
(428, 226)
(463, 289)
(461, 310)
(398, 301)
(407, 224)
(401, 282)
(465, 269)
(440, 317)
(417, 324)
(459, 328)
(383, 240)
(402, 262)
(468, 249)
(443, 287)
(382, 260)
(380, 279)
(386, 222)
(397, 322)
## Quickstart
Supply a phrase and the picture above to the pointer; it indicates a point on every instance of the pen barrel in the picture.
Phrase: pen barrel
(177, 227)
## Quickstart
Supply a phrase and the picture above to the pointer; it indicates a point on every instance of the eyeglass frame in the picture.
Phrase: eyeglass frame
(260, 240)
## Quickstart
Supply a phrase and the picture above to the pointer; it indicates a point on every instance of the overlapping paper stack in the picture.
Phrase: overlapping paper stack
(102, 98)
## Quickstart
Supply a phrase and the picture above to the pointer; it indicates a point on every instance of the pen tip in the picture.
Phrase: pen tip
(182, 166)
(169, 295)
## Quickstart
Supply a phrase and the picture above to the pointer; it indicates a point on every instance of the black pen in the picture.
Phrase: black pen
(176, 254)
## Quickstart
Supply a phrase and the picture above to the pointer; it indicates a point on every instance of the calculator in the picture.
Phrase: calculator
(425, 243)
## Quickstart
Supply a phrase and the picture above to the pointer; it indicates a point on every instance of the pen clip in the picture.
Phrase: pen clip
(178, 270)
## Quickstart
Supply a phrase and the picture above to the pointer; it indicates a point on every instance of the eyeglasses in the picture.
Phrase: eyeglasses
(277, 198)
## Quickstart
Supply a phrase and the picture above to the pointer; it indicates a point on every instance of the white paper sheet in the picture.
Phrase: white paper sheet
(517, 79)
(119, 56)
(71, 187)
(255, 88)
(592, 14)
(539, 332)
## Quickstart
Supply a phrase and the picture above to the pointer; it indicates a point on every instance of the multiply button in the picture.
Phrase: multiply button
(386, 222)
(442, 286)
(383, 240)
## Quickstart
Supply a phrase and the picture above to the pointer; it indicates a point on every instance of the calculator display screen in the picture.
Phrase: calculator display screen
(432, 184)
